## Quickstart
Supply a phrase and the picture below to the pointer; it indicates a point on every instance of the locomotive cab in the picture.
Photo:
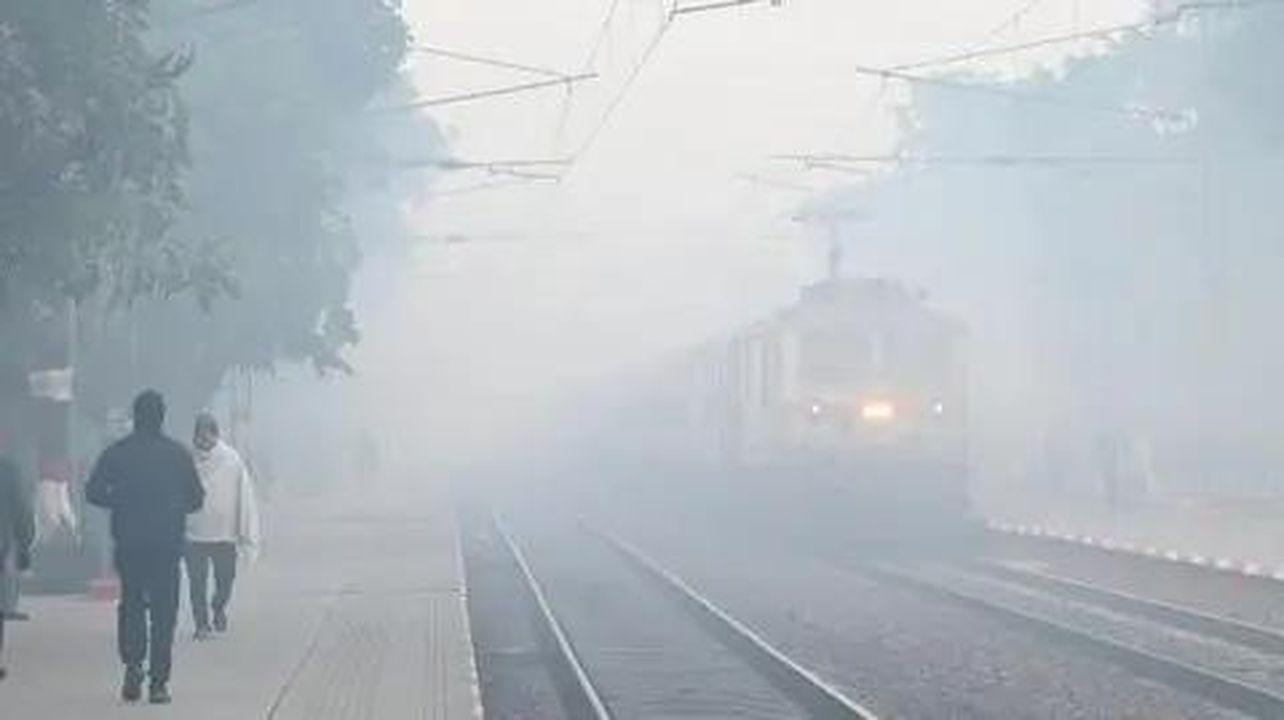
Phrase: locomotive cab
(857, 389)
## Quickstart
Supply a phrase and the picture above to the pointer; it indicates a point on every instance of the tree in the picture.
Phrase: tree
(93, 148)
(279, 93)
(93, 139)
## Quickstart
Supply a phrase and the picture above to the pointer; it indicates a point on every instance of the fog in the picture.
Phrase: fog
(663, 235)
(838, 313)
(1080, 239)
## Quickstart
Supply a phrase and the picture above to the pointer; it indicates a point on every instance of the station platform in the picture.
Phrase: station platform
(1236, 532)
(355, 610)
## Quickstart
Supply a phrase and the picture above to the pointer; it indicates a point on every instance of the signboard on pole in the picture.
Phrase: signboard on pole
(54, 384)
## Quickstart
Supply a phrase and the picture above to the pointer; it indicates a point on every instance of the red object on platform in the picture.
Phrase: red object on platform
(106, 589)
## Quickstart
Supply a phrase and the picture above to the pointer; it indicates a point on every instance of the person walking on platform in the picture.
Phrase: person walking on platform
(10, 582)
(17, 532)
(225, 527)
(149, 484)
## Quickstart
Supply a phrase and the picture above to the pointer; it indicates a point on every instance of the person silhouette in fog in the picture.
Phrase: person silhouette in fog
(149, 484)
(17, 531)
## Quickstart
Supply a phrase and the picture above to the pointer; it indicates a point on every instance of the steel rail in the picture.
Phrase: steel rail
(798, 683)
(583, 699)
(1223, 628)
(1222, 690)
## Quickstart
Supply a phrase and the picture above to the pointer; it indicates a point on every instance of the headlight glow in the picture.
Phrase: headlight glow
(877, 411)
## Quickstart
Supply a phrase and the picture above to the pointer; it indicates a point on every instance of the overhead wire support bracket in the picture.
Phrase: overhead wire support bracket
(715, 5)
(492, 62)
(486, 94)
(1170, 17)
(833, 161)
(1032, 98)
(487, 165)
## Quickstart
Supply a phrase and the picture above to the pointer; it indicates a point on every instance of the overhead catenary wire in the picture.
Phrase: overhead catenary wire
(619, 97)
(599, 41)
(489, 165)
(838, 167)
(475, 95)
(679, 9)
(671, 15)
(762, 180)
(489, 61)
(1094, 34)
(1174, 16)
(1012, 21)
(833, 160)
(496, 184)
(1027, 97)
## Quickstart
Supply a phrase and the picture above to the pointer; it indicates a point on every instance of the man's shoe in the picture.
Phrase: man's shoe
(220, 621)
(158, 694)
(202, 634)
(132, 689)
(3, 673)
(17, 616)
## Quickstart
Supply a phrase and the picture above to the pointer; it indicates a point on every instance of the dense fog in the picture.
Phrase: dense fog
(450, 282)
(1097, 216)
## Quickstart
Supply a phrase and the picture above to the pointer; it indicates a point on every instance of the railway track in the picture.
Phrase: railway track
(1231, 630)
(607, 666)
(904, 653)
(616, 652)
(1233, 664)
(1193, 582)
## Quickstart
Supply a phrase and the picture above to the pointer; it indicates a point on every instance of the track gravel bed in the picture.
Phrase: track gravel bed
(1253, 600)
(898, 653)
(516, 682)
(1264, 670)
(647, 657)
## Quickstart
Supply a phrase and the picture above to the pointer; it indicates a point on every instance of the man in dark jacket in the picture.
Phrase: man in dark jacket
(17, 530)
(149, 484)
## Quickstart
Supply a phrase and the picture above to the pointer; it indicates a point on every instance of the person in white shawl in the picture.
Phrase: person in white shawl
(226, 527)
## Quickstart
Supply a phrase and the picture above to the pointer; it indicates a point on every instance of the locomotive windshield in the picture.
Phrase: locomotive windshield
(841, 358)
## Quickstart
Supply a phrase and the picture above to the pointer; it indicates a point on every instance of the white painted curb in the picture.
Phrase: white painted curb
(1225, 565)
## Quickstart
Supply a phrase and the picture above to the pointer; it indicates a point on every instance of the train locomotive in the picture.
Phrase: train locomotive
(852, 402)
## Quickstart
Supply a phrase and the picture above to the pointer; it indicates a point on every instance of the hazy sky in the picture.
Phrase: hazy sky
(722, 91)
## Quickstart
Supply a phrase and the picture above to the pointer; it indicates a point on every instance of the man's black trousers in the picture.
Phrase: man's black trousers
(149, 580)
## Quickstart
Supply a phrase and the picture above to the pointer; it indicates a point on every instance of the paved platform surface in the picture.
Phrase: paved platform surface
(1244, 530)
(355, 611)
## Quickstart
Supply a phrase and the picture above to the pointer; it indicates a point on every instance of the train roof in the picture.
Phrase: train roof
(862, 297)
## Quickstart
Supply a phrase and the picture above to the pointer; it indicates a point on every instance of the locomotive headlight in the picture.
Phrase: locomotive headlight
(938, 408)
(877, 411)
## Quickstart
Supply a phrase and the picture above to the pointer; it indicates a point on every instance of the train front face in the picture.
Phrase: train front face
(880, 408)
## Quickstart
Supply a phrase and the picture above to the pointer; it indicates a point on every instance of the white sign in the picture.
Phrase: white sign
(53, 385)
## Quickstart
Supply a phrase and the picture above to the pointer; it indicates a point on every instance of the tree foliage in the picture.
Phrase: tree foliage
(182, 170)
(279, 92)
(93, 142)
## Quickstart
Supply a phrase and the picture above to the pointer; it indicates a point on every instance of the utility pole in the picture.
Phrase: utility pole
(835, 251)
(73, 365)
